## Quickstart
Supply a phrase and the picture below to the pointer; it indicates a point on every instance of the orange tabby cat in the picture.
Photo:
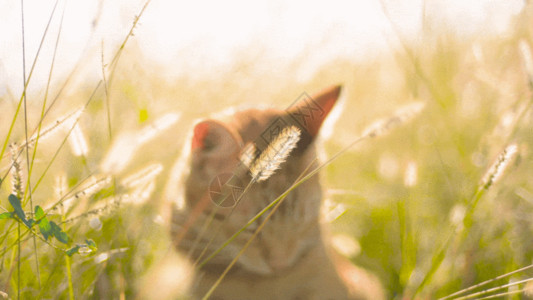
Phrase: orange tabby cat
(290, 257)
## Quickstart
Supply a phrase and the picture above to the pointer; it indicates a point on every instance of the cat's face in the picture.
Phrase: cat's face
(217, 151)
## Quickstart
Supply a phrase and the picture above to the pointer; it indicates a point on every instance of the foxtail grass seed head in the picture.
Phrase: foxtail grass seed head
(275, 154)
(401, 116)
(125, 146)
(141, 177)
(120, 154)
(527, 59)
(106, 206)
(150, 131)
(16, 172)
(78, 142)
(495, 172)
(93, 187)
(248, 155)
(143, 182)
(64, 123)
(142, 193)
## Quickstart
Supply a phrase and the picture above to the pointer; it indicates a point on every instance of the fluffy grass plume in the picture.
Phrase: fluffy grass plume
(496, 170)
(275, 154)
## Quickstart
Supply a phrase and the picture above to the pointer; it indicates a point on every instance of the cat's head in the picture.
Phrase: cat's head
(218, 148)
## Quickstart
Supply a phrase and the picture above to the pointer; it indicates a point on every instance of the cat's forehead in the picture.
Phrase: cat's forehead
(251, 123)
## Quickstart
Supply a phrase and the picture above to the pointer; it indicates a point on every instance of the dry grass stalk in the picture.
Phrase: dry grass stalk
(64, 123)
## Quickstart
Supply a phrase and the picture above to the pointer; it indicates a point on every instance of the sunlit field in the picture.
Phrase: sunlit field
(438, 202)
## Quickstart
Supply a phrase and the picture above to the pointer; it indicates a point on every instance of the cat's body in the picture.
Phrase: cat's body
(289, 258)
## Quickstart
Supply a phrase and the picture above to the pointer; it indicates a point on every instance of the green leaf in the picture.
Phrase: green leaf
(82, 249)
(39, 213)
(15, 202)
(91, 244)
(72, 250)
(63, 237)
(6, 215)
(59, 234)
(44, 225)
(29, 222)
(46, 233)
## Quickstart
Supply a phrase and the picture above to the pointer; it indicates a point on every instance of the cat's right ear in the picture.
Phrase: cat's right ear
(214, 136)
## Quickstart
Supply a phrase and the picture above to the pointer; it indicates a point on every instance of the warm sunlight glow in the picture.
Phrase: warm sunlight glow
(196, 38)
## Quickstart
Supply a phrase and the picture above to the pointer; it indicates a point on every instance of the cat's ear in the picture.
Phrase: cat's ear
(310, 112)
(214, 136)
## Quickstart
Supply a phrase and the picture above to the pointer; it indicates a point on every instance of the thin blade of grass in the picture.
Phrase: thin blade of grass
(108, 109)
(27, 80)
(468, 289)
(28, 164)
(501, 295)
(475, 295)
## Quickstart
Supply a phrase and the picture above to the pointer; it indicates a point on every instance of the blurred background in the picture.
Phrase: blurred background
(401, 205)
(200, 38)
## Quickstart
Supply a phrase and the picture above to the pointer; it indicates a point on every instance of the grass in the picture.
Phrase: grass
(448, 227)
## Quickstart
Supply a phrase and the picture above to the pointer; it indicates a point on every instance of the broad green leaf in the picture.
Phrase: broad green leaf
(6, 215)
(59, 234)
(44, 225)
(29, 222)
(45, 233)
(63, 237)
(91, 244)
(82, 249)
(15, 202)
(39, 213)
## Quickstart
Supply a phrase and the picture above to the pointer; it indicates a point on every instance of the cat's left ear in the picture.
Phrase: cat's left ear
(310, 112)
